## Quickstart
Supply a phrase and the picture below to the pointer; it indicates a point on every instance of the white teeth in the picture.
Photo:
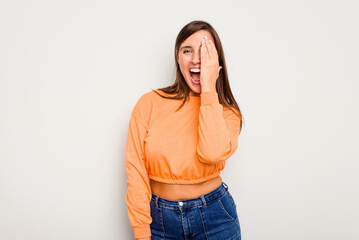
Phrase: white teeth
(195, 70)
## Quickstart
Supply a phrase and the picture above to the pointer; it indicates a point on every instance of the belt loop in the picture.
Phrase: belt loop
(156, 201)
(203, 200)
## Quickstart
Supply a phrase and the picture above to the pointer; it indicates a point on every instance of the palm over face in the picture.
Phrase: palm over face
(209, 64)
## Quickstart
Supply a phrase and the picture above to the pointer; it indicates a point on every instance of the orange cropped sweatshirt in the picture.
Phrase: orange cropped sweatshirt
(184, 147)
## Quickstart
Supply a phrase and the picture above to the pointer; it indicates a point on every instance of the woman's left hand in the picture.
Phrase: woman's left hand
(209, 66)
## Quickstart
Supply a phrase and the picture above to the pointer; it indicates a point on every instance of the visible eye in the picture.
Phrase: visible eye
(187, 51)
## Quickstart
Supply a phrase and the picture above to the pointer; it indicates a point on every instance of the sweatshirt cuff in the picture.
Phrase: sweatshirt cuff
(209, 98)
(142, 231)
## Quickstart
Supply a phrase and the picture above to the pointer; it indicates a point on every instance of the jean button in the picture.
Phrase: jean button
(180, 203)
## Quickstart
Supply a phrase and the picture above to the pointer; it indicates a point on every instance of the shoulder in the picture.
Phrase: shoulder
(155, 97)
(147, 99)
(145, 105)
(149, 96)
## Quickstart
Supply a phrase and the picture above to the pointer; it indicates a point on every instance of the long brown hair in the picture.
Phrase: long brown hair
(180, 87)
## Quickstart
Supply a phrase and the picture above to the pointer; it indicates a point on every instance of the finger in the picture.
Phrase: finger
(207, 47)
(214, 53)
(204, 53)
(213, 49)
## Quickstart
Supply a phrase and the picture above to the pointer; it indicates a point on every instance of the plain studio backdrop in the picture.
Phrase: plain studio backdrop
(72, 71)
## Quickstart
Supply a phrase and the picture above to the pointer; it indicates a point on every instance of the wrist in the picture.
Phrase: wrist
(206, 88)
(209, 98)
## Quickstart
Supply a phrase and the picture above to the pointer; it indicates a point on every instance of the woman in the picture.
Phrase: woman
(176, 149)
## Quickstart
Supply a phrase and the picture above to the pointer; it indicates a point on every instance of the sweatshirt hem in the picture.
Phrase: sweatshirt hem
(183, 181)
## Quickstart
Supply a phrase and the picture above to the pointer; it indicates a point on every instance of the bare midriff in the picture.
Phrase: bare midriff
(175, 192)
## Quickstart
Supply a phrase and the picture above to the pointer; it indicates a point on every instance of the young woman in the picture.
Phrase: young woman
(178, 141)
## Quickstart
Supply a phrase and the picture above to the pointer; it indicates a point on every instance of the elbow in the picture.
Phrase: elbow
(209, 159)
(213, 156)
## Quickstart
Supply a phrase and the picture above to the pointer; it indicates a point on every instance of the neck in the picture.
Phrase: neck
(194, 94)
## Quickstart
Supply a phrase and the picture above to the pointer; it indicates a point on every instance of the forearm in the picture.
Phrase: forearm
(218, 130)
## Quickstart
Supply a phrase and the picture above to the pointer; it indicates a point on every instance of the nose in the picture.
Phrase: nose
(196, 57)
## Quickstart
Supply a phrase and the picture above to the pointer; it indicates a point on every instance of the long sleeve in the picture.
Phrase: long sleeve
(138, 188)
(218, 131)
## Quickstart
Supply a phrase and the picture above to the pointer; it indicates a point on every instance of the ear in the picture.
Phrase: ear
(177, 55)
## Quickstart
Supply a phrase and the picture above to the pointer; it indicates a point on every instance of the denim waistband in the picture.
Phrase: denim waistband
(188, 203)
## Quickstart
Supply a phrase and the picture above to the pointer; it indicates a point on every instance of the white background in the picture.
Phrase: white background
(71, 72)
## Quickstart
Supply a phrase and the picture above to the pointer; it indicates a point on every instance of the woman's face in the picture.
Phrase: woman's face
(189, 57)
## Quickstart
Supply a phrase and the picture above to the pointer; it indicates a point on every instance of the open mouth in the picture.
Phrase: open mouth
(195, 76)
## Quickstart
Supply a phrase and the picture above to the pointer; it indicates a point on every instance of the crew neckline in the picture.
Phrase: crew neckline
(191, 96)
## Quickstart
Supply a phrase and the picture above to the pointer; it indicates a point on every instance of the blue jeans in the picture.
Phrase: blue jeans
(212, 216)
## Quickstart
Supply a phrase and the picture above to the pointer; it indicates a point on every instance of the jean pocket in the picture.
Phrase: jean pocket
(228, 206)
(157, 221)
